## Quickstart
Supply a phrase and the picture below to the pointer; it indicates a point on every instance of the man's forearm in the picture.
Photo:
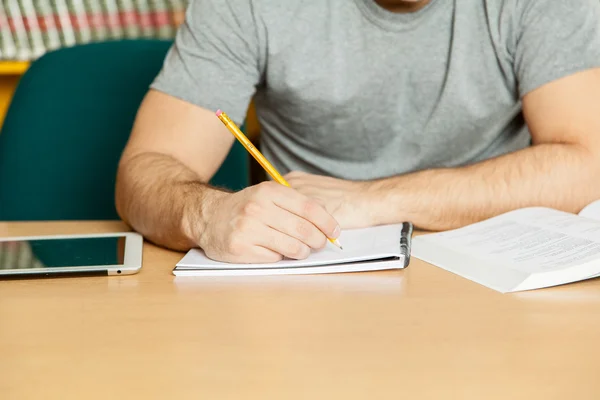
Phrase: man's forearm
(561, 176)
(155, 195)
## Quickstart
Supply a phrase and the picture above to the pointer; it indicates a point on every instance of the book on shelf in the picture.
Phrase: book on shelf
(95, 17)
(47, 25)
(30, 28)
(63, 16)
(79, 19)
(144, 18)
(8, 48)
(17, 31)
(129, 18)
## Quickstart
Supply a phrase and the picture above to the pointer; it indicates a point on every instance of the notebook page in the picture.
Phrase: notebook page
(591, 211)
(359, 245)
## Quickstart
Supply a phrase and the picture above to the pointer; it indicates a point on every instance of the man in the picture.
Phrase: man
(439, 112)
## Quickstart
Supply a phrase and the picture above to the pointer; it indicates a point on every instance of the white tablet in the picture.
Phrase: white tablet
(81, 255)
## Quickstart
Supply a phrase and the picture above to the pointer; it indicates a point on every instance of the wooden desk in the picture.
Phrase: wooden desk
(422, 333)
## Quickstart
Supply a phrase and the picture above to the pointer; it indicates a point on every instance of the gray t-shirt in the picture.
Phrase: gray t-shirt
(348, 89)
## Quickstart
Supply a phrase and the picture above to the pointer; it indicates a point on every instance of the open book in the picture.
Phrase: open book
(368, 249)
(525, 249)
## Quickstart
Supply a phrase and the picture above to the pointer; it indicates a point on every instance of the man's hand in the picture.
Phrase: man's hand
(261, 224)
(347, 201)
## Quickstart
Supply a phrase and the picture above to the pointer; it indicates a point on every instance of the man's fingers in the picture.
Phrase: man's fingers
(294, 202)
(260, 255)
(295, 226)
(281, 243)
(253, 255)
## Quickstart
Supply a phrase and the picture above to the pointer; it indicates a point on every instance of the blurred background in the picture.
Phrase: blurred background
(30, 28)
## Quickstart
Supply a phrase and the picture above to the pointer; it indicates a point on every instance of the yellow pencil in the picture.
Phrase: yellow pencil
(258, 155)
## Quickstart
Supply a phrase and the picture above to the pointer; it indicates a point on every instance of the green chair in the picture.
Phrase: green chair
(67, 125)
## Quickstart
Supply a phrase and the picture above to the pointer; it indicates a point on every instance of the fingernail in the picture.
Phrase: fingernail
(336, 232)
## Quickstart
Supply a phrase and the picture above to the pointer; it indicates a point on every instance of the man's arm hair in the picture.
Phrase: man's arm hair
(156, 194)
(174, 150)
(561, 170)
(560, 176)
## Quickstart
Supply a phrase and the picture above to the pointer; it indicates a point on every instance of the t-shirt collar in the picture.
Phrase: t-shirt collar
(392, 20)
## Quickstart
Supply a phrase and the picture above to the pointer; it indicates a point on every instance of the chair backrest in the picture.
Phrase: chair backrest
(66, 127)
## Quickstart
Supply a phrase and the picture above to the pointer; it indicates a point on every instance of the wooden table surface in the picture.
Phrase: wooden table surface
(421, 333)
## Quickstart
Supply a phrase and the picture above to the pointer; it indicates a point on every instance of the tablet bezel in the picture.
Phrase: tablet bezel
(132, 258)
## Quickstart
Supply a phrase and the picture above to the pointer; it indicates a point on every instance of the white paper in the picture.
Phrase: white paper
(527, 248)
(363, 250)
(592, 210)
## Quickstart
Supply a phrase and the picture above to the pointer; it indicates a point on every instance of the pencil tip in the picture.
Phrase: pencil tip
(336, 243)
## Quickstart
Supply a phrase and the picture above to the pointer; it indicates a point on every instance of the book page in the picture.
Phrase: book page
(591, 211)
(368, 244)
(529, 240)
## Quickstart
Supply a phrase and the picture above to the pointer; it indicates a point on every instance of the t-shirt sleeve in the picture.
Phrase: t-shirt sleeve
(215, 60)
(554, 39)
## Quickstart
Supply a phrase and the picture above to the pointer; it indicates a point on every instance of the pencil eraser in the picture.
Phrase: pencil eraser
(219, 112)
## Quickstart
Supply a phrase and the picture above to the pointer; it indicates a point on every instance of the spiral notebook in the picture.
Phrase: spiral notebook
(368, 249)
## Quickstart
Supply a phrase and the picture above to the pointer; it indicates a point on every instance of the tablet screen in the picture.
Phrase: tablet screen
(62, 252)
